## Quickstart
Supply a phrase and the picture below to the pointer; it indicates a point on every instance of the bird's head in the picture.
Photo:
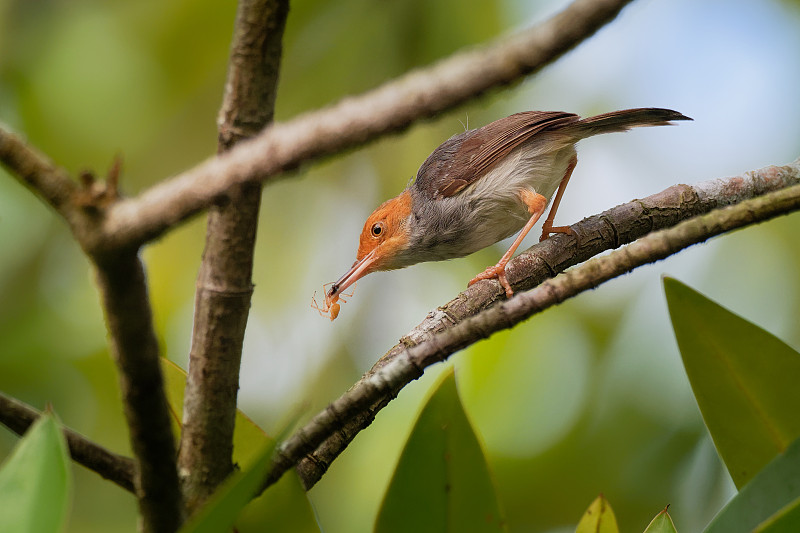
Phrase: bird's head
(383, 242)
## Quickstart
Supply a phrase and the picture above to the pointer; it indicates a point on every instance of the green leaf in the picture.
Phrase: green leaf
(442, 482)
(283, 507)
(662, 523)
(745, 380)
(220, 513)
(248, 438)
(174, 385)
(772, 492)
(598, 518)
(35, 481)
(787, 520)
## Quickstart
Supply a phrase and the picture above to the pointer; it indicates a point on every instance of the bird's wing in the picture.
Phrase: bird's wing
(464, 158)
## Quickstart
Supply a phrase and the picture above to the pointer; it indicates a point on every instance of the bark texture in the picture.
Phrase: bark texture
(224, 283)
(135, 350)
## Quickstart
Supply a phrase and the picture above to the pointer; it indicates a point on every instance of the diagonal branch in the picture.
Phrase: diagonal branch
(410, 363)
(357, 120)
(331, 431)
(18, 417)
(224, 284)
(35, 170)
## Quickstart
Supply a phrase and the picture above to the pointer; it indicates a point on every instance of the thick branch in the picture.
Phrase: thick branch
(133, 344)
(224, 284)
(357, 120)
(611, 229)
(18, 417)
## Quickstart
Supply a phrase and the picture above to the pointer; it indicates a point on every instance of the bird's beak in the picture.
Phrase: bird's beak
(359, 269)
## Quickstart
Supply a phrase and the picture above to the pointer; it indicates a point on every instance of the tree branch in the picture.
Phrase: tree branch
(36, 171)
(18, 417)
(356, 120)
(121, 279)
(133, 344)
(611, 229)
(224, 284)
(410, 363)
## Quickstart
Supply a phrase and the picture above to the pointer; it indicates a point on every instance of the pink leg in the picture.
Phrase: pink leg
(536, 204)
(548, 227)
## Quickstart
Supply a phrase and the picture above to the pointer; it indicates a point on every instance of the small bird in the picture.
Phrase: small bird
(482, 186)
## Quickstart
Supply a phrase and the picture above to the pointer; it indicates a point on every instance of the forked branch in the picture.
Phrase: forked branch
(122, 282)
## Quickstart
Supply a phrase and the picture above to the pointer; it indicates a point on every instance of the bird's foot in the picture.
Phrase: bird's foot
(497, 272)
(547, 231)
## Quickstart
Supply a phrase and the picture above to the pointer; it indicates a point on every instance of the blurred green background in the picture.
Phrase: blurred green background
(589, 397)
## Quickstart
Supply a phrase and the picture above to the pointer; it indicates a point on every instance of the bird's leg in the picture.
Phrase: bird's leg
(536, 204)
(548, 227)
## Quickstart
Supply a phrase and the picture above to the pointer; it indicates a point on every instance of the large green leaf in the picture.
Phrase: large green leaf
(787, 520)
(745, 380)
(768, 500)
(662, 523)
(35, 481)
(222, 509)
(283, 507)
(598, 518)
(442, 482)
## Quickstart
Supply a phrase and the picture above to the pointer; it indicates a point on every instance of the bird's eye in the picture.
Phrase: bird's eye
(377, 229)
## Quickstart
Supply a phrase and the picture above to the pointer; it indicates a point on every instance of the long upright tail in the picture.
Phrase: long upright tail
(623, 120)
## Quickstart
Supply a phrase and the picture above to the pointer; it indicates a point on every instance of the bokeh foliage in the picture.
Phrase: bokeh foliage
(589, 397)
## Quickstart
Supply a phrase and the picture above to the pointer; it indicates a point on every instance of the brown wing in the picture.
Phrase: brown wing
(464, 158)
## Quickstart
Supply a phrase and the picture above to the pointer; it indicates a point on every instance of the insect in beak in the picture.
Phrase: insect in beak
(330, 305)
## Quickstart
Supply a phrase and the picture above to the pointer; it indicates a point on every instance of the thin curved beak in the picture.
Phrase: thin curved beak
(359, 269)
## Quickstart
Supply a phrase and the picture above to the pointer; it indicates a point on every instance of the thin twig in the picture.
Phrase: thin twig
(50, 182)
(224, 284)
(81, 205)
(357, 120)
(611, 229)
(19, 416)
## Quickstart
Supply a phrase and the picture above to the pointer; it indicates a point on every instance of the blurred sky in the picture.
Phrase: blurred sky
(589, 397)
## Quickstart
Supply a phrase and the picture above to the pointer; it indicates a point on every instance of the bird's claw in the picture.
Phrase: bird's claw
(547, 231)
(497, 272)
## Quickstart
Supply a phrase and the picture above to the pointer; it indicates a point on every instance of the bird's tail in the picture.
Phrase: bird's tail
(623, 120)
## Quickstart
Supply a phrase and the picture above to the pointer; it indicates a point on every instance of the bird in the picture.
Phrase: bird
(480, 187)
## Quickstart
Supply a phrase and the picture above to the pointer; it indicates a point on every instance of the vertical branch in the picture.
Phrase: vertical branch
(224, 284)
(122, 282)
